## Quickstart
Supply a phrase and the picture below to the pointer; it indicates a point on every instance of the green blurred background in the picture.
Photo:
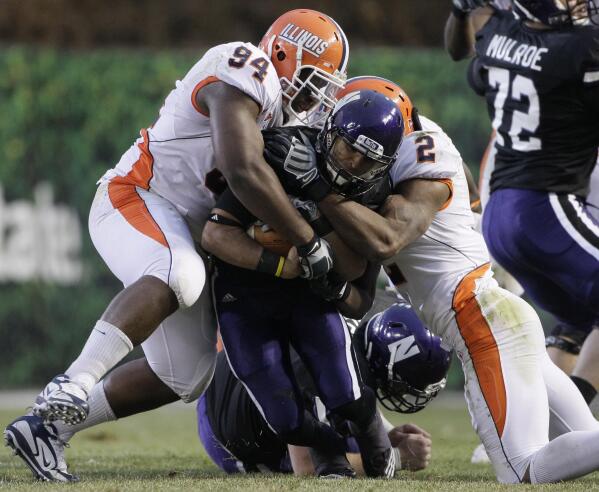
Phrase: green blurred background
(79, 79)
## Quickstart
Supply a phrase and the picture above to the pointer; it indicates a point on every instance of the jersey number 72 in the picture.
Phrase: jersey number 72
(517, 88)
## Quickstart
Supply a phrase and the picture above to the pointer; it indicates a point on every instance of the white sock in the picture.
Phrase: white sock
(568, 456)
(104, 349)
(99, 412)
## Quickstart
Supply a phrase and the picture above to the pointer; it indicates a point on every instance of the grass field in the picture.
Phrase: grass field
(160, 451)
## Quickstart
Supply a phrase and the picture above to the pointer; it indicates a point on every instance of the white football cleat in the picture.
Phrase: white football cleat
(480, 456)
(38, 445)
(62, 399)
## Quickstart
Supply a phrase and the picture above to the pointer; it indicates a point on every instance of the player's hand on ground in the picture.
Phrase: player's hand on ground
(315, 257)
(291, 268)
(414, 446)
(469, 5)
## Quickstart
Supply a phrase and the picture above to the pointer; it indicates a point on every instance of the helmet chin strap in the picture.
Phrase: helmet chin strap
(299, 54)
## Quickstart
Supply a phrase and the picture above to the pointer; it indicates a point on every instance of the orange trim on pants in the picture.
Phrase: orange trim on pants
(124, 196)
(126, 200)
(479, 339)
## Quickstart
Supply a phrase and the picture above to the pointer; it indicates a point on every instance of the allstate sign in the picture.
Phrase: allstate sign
(39, 240)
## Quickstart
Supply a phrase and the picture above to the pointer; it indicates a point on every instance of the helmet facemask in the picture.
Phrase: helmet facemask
(309, 81)
(561, 12)
(334, 144)
(397, 395)
(593, 7)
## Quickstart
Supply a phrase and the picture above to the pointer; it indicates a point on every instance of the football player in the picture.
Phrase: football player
(399, 359)
(424, 231)
(260, 315)
(148, 210)
(565, 340)
(542, 170)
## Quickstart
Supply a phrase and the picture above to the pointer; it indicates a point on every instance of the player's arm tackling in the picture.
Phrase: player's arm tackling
(238, 148)
(404, 217)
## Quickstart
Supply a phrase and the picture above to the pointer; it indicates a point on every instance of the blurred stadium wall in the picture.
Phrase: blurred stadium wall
(80, 78)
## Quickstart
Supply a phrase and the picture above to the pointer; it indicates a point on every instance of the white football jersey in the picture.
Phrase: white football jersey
(434, 264)
(174, 157)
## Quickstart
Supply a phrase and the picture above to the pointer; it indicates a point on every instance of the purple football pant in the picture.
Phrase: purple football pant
(257, 325)
(550, 244)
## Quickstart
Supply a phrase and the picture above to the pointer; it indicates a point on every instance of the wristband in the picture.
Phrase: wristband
(308, 248)
(458, 13)
(321, 226)
(270, 263)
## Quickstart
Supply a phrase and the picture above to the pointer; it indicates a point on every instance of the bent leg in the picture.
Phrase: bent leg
(322, 339)
(256, 344)
(182, 350)
(506, 369)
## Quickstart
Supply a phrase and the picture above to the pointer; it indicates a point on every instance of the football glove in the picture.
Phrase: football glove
(330, 287)
(315, 258)
(292, 156)
(469, 5)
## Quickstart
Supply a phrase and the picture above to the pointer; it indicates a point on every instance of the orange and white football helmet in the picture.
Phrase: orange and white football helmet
(386, 88)
(309, 52)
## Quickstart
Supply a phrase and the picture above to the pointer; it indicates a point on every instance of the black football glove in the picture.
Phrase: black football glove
(291, 154)
(331, 287)
(466, 6)
(315, 258)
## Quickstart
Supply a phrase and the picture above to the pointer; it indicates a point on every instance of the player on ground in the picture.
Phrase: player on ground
(238, 439)
(565, 341)
(260, 315)
(425, 232)
(149, 208)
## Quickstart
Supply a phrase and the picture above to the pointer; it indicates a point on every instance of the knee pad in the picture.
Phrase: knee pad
(566, 338)
(187, 278)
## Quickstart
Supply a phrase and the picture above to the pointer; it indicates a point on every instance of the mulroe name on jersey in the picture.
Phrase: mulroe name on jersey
(511, 51)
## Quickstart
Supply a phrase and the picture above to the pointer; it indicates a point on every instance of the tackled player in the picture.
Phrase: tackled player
(150, 207)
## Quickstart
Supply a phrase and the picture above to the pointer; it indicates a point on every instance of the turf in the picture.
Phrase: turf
(160, 451)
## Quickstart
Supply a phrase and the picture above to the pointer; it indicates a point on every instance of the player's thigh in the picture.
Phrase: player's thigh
(139, 233)
(182, 350)
(501, 348)
(529, 234)
(321, 337)
(253, 340)
(549, 295)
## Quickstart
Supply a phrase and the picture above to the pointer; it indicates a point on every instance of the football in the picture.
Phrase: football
(269, 238)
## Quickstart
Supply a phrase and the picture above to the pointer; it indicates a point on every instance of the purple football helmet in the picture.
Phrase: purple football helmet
(407, 361)
(370, 124)
(557, 13)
